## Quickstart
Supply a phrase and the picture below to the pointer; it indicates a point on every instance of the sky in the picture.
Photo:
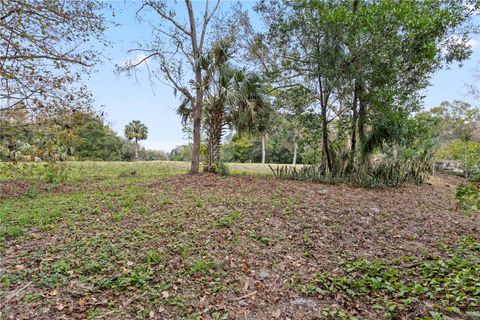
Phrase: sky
(126, 98)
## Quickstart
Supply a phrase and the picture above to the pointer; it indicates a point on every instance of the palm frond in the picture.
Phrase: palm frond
(185, 110)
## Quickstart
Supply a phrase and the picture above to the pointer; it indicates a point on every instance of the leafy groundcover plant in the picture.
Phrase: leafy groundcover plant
(468, 197)
(405, 288)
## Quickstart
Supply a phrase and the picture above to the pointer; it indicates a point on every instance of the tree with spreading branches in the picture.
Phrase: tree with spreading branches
(177, 44)
(361, 61)
(45, 49)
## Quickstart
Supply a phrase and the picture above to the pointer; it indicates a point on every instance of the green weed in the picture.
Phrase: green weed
(153, 257)
(227, 220)
(203, 267)
(394, 288)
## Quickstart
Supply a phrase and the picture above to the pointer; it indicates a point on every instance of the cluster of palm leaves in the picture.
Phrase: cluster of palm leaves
(136, 131)
(387, 172)
(394, 172)
(233, 99)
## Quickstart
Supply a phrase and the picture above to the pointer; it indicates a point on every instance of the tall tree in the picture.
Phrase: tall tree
(233, 98)
(136, 131)
(45, 50)
(176, 44)
(294, 102)
(350, 56)
(263, 124)
(91, 138)
(460, 121)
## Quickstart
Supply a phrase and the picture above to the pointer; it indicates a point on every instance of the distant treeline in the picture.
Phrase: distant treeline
(72, 136)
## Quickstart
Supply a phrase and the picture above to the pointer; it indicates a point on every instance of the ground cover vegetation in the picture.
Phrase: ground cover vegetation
(144, 240)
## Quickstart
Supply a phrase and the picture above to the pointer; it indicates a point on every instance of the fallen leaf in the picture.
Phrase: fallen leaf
(53, 292)
(276, 313)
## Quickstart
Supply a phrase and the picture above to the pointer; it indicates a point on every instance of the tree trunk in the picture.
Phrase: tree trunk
(214, 130)
(465, 159)
(295, 147)
(195, 165)
(14, 156)
(362, 119)
(353, 138)
(264, 147)
(136, 149)
(326, 161)
(325, 148)
(198, 105)
(197, 120)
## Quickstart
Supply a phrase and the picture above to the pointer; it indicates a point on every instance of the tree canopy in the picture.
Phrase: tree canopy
(46, 48)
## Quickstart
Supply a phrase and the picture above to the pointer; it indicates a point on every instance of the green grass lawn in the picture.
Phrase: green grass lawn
(77, 177)
(84, 170)
(144, 240)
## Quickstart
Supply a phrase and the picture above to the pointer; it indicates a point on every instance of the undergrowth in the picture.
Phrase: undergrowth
(405, 288)
(388, 173)
(468, 197)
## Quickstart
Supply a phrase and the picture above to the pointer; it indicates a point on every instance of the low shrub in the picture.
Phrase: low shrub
(384, 173)
(468, 197)
(55, 172)
(51, 172)
(413, 287)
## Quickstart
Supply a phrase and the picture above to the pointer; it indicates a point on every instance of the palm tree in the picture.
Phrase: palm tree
(136, 131)
(233, 98)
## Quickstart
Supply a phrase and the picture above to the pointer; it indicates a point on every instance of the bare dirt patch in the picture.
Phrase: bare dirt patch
(13, 188)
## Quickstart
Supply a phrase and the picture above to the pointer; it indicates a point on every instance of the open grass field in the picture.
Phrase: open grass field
(146, 241)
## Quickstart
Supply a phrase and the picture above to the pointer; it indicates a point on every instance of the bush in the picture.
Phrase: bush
(51, 172)
(55, 172)
(386, 173)
(468, 197)
(461, 151)
(223, 169)
(10, 170)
